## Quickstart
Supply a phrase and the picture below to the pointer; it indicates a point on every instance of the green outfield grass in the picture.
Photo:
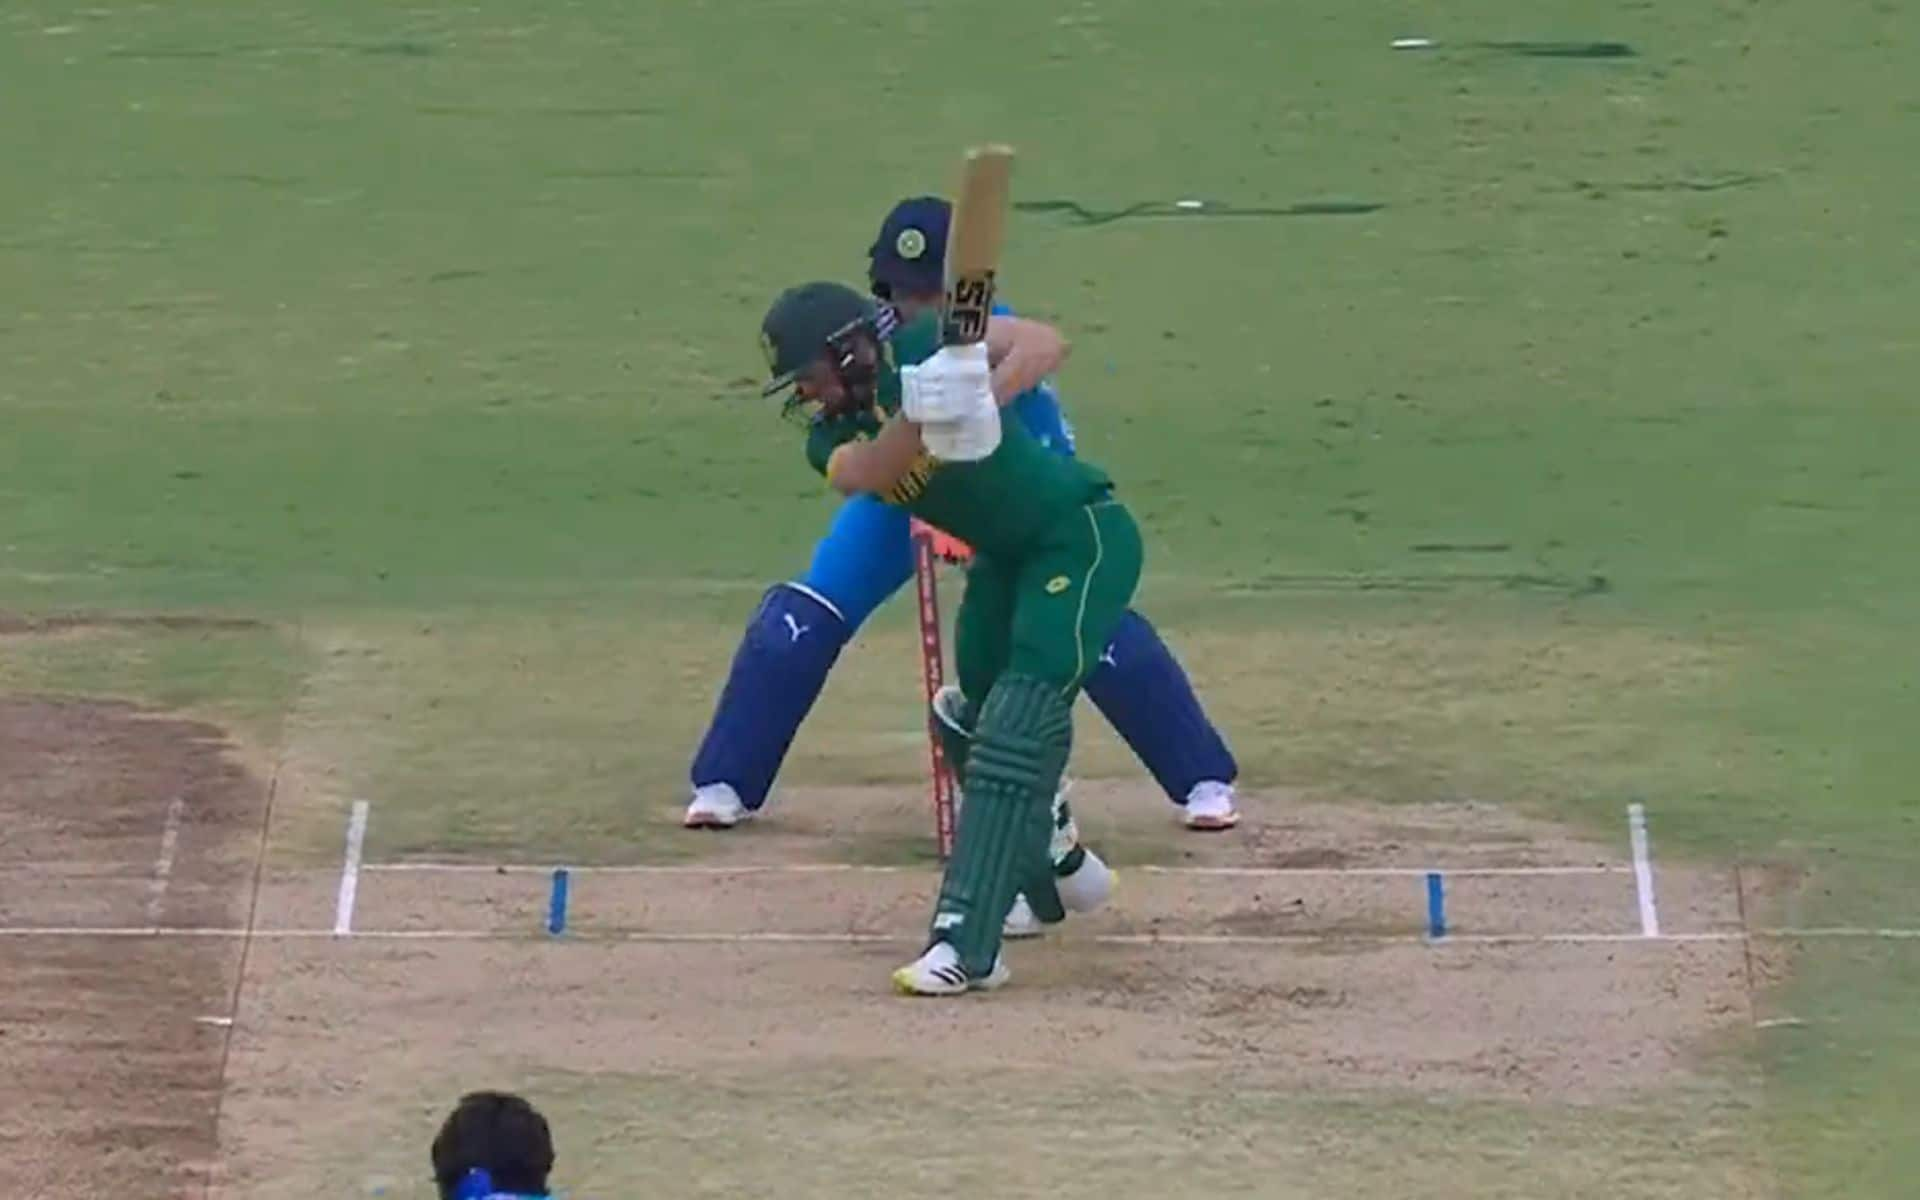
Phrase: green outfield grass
(1580, 471)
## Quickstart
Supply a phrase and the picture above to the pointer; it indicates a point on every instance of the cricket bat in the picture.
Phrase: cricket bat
(974, 240)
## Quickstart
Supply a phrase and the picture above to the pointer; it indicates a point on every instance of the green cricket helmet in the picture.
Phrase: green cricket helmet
(815, 320)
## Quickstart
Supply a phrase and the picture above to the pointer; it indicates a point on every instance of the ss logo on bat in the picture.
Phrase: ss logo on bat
(967, 315)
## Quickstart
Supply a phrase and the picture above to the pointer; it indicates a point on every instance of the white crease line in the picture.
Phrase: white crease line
(163, 865)
(350, 870)
(725, 869)
(651, 868)
(845, 938)
(1395, 872)
(1642, 870)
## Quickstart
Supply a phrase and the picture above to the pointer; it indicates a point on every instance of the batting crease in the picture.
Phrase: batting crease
(850, 938)
(872, 869)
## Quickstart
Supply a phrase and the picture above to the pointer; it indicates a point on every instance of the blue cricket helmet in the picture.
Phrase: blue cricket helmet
(910, 254)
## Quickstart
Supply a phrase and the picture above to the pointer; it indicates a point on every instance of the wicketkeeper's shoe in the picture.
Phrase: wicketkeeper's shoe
(715, 806)
(1020, 922)
(1210, 807)
(938, 973)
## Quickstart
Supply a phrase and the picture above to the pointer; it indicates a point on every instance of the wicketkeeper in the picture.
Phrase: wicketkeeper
(1055, 562)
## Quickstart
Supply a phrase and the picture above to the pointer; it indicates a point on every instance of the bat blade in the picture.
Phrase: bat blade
(973, 244)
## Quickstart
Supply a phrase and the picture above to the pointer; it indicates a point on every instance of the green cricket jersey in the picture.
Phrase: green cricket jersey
(1001, 504)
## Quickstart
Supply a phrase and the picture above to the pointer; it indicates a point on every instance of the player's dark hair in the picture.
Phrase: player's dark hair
(499, 1133)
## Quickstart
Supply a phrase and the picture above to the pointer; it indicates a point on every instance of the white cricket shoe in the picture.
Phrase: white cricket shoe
(715, 806)
(938, 973)
(1210, 807)
(1089, 887)
(1020, 922)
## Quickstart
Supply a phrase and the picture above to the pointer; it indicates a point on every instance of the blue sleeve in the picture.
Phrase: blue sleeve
(1040, 410)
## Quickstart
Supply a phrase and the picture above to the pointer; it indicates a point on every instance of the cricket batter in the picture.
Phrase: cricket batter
(1055, 562)
(797, 633)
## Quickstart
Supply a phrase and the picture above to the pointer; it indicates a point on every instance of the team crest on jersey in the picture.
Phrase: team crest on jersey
(911, 243)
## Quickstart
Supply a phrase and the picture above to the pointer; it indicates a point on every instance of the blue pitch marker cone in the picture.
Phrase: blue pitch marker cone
(557, 903)
(1436, 906)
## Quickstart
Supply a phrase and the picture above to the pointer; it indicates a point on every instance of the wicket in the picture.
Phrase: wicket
(933, 673)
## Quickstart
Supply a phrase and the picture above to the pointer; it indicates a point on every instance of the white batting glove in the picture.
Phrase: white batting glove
(956, 384)
(969, 439)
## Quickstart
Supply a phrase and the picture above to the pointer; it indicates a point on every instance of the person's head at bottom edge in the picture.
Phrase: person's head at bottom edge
(493, 1144)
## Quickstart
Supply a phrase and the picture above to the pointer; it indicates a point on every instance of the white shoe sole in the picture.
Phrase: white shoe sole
(708, 819)
(1211, 822)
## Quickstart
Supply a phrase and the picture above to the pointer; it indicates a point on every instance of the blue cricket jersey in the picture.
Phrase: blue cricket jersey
(1039, 409)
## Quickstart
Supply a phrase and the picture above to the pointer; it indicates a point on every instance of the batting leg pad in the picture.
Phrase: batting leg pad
(1046, 889)
(1141, 689)
(1064, 851)
(1020, 748)
(1042, 880)
(953, 725)
(791, 644)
